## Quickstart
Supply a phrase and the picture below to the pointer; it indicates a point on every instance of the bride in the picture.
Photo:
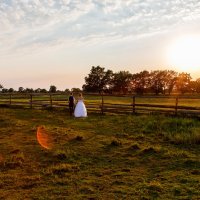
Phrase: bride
(80, 110)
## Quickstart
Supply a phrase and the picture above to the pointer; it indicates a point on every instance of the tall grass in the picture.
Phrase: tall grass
(99, 157)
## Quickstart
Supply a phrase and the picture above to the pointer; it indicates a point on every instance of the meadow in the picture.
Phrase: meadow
(121, 104)
(98, 157)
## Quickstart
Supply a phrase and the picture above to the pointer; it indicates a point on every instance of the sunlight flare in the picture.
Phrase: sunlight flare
(184, 53)
(44, 138)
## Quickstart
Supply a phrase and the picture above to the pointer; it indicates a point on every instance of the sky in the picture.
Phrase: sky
(56, 42)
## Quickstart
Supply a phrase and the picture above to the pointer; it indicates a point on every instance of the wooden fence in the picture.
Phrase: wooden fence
(122, 104)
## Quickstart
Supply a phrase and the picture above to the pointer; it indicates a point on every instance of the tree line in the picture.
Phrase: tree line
(52, 89)
(156, 82)
(101, 80)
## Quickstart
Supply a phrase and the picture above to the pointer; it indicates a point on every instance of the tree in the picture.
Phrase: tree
(157, 81)
(67, 90)
(122, 81)
(1, 87)
(11, 90)
(108, 81)
(38, 90)
(21, 89)
(76, 90)
(52, 89)
(4, 90)
(162, 81)
(195, 86)
(198, 85)
(140, 82)
(183, 82)
(171, 79)
(97, 80)
(29, 90)
(192, 85)
(43, 90)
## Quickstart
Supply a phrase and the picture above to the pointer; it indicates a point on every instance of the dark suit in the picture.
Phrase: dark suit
(71, 104)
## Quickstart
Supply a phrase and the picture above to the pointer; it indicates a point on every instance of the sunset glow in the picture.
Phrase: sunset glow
(184, 53)
(52, 42)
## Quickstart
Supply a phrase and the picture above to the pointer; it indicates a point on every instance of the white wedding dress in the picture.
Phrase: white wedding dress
(80, 109)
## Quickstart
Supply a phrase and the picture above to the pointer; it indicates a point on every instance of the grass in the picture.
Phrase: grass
(162, 100)
(98, 157)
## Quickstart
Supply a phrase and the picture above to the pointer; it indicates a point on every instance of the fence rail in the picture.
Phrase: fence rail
(109, 103)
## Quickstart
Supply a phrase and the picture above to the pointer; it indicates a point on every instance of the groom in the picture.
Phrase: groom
(71, 104)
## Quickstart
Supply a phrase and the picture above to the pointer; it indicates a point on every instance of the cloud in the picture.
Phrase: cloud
(27, 25)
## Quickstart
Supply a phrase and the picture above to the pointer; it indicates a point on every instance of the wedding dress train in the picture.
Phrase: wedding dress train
(80, 109)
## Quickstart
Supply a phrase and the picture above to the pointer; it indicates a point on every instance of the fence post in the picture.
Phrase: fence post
(133, 104)
(10, 99)
(176, 106)
(31, 100)
(50, 100)
(102, 104)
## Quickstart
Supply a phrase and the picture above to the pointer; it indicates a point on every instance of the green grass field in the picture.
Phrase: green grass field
(187, 105)
(99, 157)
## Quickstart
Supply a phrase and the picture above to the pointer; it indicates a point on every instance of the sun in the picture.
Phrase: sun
(184, 53)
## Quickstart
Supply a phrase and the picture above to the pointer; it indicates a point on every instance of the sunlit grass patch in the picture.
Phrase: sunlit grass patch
(178, 124)
(176, 154)
(151, 150)
(14, 160)
(184, 138)
(154, 189)
(62, 168)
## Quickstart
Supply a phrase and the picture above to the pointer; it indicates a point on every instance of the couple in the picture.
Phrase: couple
(80, 109)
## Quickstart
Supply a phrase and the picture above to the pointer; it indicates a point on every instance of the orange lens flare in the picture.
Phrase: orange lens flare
(44, 138)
